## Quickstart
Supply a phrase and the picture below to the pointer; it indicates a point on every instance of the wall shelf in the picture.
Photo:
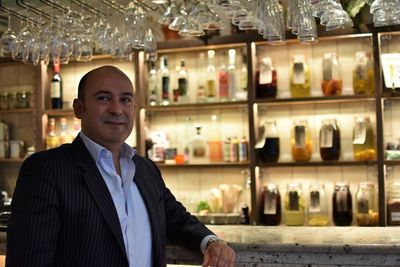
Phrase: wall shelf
(198, 106)
(319, 164)
(16, 110)
(317, 99)
(205, 165)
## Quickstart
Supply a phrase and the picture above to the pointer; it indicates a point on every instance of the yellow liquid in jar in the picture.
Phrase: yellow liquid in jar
(302, 153)
(301, 90)
(370, 219)
(318, 220)
(365, 151)
(364, 86)
(294, 217)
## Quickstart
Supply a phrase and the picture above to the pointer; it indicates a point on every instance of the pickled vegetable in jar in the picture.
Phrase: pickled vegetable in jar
(294, 205)
(342, 211)
(367, 205)
(393, 203)
(329, 140)
(301, 141)
(363, 139)
(317, 211)
(300, 85)
(363, 74)
(267, 147)
(271, 208)
(331, 83)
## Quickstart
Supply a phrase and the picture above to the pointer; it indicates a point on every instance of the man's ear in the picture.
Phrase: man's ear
(78, 108)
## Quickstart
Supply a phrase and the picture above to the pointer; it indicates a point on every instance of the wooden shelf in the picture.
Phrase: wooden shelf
(16, 110)
(319, 164)
(11, 161)
(205, 165)
(392, 162)
(59, 112)
(318, 99)
(198, 106)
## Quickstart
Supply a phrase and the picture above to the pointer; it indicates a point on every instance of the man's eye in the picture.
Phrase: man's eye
(102, 98)
(126, 100)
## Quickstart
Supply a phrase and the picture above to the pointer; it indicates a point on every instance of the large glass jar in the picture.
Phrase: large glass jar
(363, 74)
(331, 83)
(266, 79)
(317, 210)
(271, 208)
(363, 139)
(301, 141)
(367, 205)
(4, 101)
(329, 140)
(393, 203)
(300, 85)
(294, 205)
(267, 148)
(342, 210)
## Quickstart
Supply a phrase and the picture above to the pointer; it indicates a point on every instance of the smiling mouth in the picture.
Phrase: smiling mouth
(115, 122)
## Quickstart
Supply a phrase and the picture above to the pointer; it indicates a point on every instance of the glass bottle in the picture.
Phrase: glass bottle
(367, 205)
(198, 145)
(227, 149)
(294, 205)
(317, 213)
(64, 136)
(52, 139)
(300, 85)
(215, 142)
(165, 80)
(211, 85)
(266, 79)
(329, 140)
(363, 74)
(267, 147)
(342, 210)
(232, 79)
(331, 83)
(223, 81)
(363, 139)
(56, 89)
(301, 141)
(152, 88)
(234, 149)
(243, 149)
(76, 128)
(201, 83)
(242, 79)
(183, 83)
(4, 101)
(393, 203)
(271, 208)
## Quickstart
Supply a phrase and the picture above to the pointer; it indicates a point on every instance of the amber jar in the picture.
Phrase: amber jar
(342, 211)
(329, 140)
(367, 205)
(301, 141)
(393, 203)
(271, 208)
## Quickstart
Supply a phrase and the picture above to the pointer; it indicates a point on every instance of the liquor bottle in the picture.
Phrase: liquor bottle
(183, 83)
(152, 85)
(56, 88)
(165, 81)
(201, 84)
(215, 142)
(211, 88)
(76, 128)
(198, 146)
(243, 149)
(234, 149)
(242, 79)
(223, 82)
(64, 136)
(52, 140)
(232, 75)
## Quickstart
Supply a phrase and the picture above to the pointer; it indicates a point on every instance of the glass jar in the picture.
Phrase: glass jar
(329, 140)
(301, 141)
(363, 74)
(300, 78)
(342, 210)
(4, 101)
(268, 148)
(271, 208)
(198, 145)
(12, 100)
(331, 83)
(363, 139)
(367, 205)
(266, 79)
(317, 211)
(22, 100)
(294, 205)
(393, 203)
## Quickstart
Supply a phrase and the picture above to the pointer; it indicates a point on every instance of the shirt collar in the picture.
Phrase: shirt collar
(95, 149)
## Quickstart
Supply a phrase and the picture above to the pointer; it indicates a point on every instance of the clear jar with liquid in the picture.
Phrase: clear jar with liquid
(271, 209)
(317, 210)
(363, 139)
(331, 83)
(393, 203)
(363, 74)
(329, 140)
(301, 141)
(294, 205)
(267, 147)
(342, 211)
(266, 79)
(367, 205)
(300, 85)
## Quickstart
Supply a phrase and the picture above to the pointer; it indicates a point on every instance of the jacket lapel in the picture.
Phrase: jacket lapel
(98, 190)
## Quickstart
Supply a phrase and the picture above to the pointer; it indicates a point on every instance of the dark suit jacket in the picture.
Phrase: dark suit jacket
(63, 213)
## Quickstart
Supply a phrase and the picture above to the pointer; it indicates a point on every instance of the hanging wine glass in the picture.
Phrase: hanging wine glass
(169, 15)
(150, 46)
(7, 40)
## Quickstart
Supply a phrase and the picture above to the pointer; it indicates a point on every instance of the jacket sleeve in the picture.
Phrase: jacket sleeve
(34, 224)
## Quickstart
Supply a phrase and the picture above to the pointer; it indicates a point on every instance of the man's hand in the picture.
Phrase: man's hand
(219, 254)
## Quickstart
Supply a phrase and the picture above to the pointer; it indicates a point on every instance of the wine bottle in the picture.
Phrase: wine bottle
(56, 89)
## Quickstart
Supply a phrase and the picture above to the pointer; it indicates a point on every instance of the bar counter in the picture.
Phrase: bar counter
(304, 246)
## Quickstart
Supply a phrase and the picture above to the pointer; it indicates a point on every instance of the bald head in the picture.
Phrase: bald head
(98, 72)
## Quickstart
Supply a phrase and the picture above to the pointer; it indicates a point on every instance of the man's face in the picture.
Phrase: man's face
(108, 109)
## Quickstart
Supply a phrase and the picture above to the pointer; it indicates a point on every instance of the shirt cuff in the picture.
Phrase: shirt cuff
(205, 241)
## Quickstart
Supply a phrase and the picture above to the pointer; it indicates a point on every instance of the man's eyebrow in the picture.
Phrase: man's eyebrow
(109, 93)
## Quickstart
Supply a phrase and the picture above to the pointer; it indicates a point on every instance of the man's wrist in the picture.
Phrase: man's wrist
(207, 241)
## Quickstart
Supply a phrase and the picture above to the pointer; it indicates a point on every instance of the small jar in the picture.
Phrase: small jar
(393, 203)
(342, 205)
(329, 140)
(12, 100)
(271, 208)
(318, 214)
(367, 205)
(294, 205)
(267, 147)
(23, 100)
(301, 141)
(4, 101)
(363, 139)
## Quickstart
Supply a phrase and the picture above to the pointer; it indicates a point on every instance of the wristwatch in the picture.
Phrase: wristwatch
(212, 240)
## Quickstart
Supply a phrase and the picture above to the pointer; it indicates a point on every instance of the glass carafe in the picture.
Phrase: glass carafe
(267, 148)
(329, 140)
(301, 141)
(342, 211)
(317, 210)
(363, 74)
(198, 146)
(367, 205)
(294, 205)
(266, 79)
(271, 208)
(300, 85)
(331, 83)
(363, 139)
(393, 203)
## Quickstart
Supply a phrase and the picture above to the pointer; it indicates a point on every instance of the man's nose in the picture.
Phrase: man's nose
(115, 107)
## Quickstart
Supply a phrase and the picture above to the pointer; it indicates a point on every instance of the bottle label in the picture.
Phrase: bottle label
(315, 202)
(395, 216)
(341, 200)
(391, 69)
(270, 203)
(326, 137)
(227, 151)
(299, 76)
(223, 84)
(165, 87)
(265, 74)
(55, 89)
(234, 152)
(327, 68)
(363, 206)
(300, 136)
(360, 134)
(293, 200)
(211, 88)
